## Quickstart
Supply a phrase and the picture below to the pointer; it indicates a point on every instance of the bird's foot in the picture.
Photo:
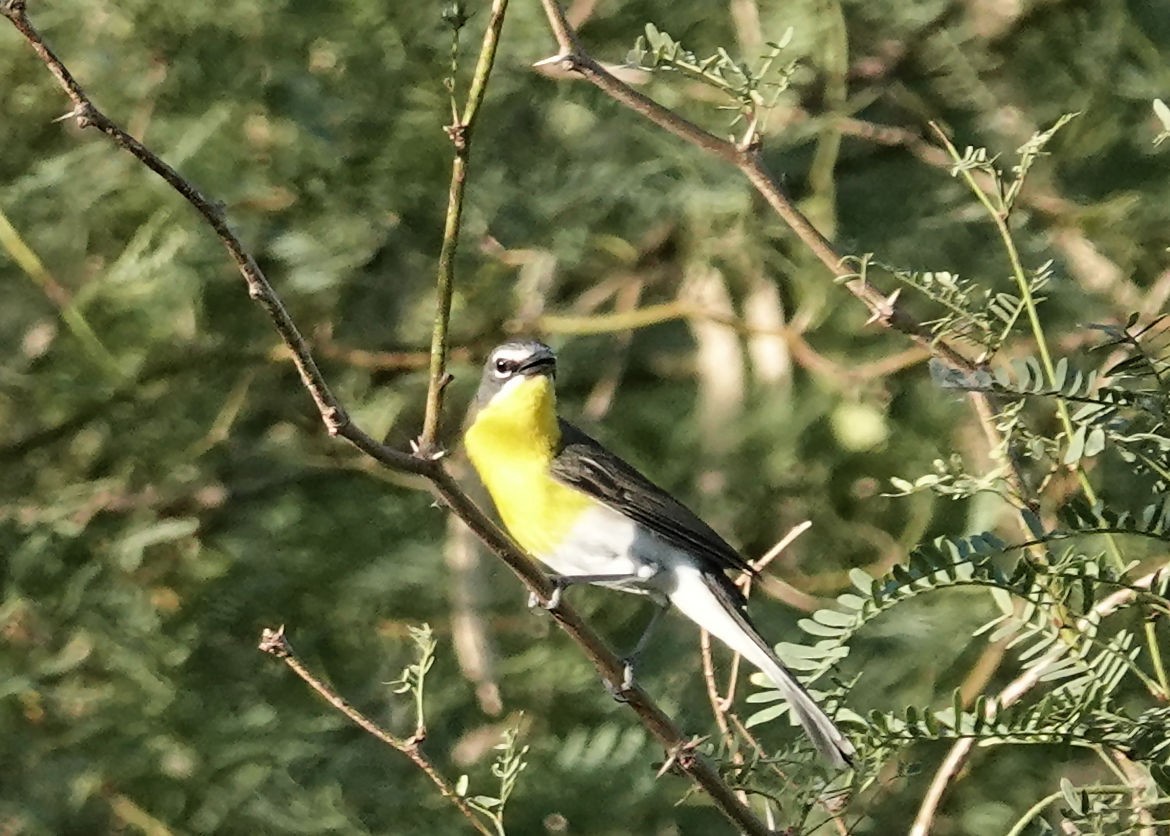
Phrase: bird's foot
(615, 690)
(620, 690)
(554, 598)
(628, 673)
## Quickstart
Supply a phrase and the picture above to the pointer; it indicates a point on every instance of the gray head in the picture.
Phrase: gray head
(516, 358)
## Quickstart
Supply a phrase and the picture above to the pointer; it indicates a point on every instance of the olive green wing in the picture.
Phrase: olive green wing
(585, 465)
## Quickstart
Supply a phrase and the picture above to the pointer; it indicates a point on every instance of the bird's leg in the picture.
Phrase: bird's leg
(631, 658)
(562, 582)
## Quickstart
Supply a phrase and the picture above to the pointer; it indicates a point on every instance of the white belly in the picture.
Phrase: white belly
(606, 542)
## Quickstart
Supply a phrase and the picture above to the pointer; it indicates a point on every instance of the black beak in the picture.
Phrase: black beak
(538, 364)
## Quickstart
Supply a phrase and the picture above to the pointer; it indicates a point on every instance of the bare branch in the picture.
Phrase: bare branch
(274, 642)
(460, 133)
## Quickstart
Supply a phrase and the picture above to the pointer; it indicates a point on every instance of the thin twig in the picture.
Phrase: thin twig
(460, 132)
(624, 321)
(338, 423)
(1011, 694)
(275, 643)
(999, 213)
(744, 582)
(617, 321)
(721, 704)
(397, 361)
(1036, 809)
(998, 210)
(883, 309)
(825, 800)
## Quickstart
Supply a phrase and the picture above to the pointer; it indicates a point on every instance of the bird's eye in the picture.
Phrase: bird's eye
(503, 367)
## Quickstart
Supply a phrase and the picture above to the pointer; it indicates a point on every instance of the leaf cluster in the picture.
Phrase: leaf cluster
(753, 89)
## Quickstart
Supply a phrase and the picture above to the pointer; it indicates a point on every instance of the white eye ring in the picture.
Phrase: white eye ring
(503, 368)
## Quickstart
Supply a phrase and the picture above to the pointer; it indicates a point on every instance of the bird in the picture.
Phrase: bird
(590, 517)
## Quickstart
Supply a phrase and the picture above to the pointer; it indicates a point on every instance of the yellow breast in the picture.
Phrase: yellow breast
(511, 444)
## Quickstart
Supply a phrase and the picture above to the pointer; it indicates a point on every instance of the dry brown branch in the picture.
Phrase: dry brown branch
(572, 59)
(275, 643)
(721, 703)
(87, 115)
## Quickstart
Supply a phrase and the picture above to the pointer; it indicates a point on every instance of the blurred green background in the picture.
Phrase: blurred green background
(168, 489)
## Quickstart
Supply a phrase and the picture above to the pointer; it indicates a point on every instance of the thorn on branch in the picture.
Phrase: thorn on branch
(424, 451)
(75, 112)
(457, 133)
(751, 143)
(336, 420)
(564, 61)
(884, 310)
(681, 757)
(13, 8)
(274, 642)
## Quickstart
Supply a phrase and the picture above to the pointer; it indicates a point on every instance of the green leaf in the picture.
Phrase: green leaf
(852, 602)
(861, 579)
(1162, 111)
(815, 628)
(1095, 441)
(767, 715)
(1003, 600)
(1076, 446)
(834, 618)
(1060, 374)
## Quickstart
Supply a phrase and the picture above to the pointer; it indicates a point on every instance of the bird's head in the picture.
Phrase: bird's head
(510, 365)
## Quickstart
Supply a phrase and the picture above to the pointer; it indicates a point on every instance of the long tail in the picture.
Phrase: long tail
(700, 598)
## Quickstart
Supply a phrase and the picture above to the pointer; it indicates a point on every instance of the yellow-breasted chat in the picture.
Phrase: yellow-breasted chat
(592, 518)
